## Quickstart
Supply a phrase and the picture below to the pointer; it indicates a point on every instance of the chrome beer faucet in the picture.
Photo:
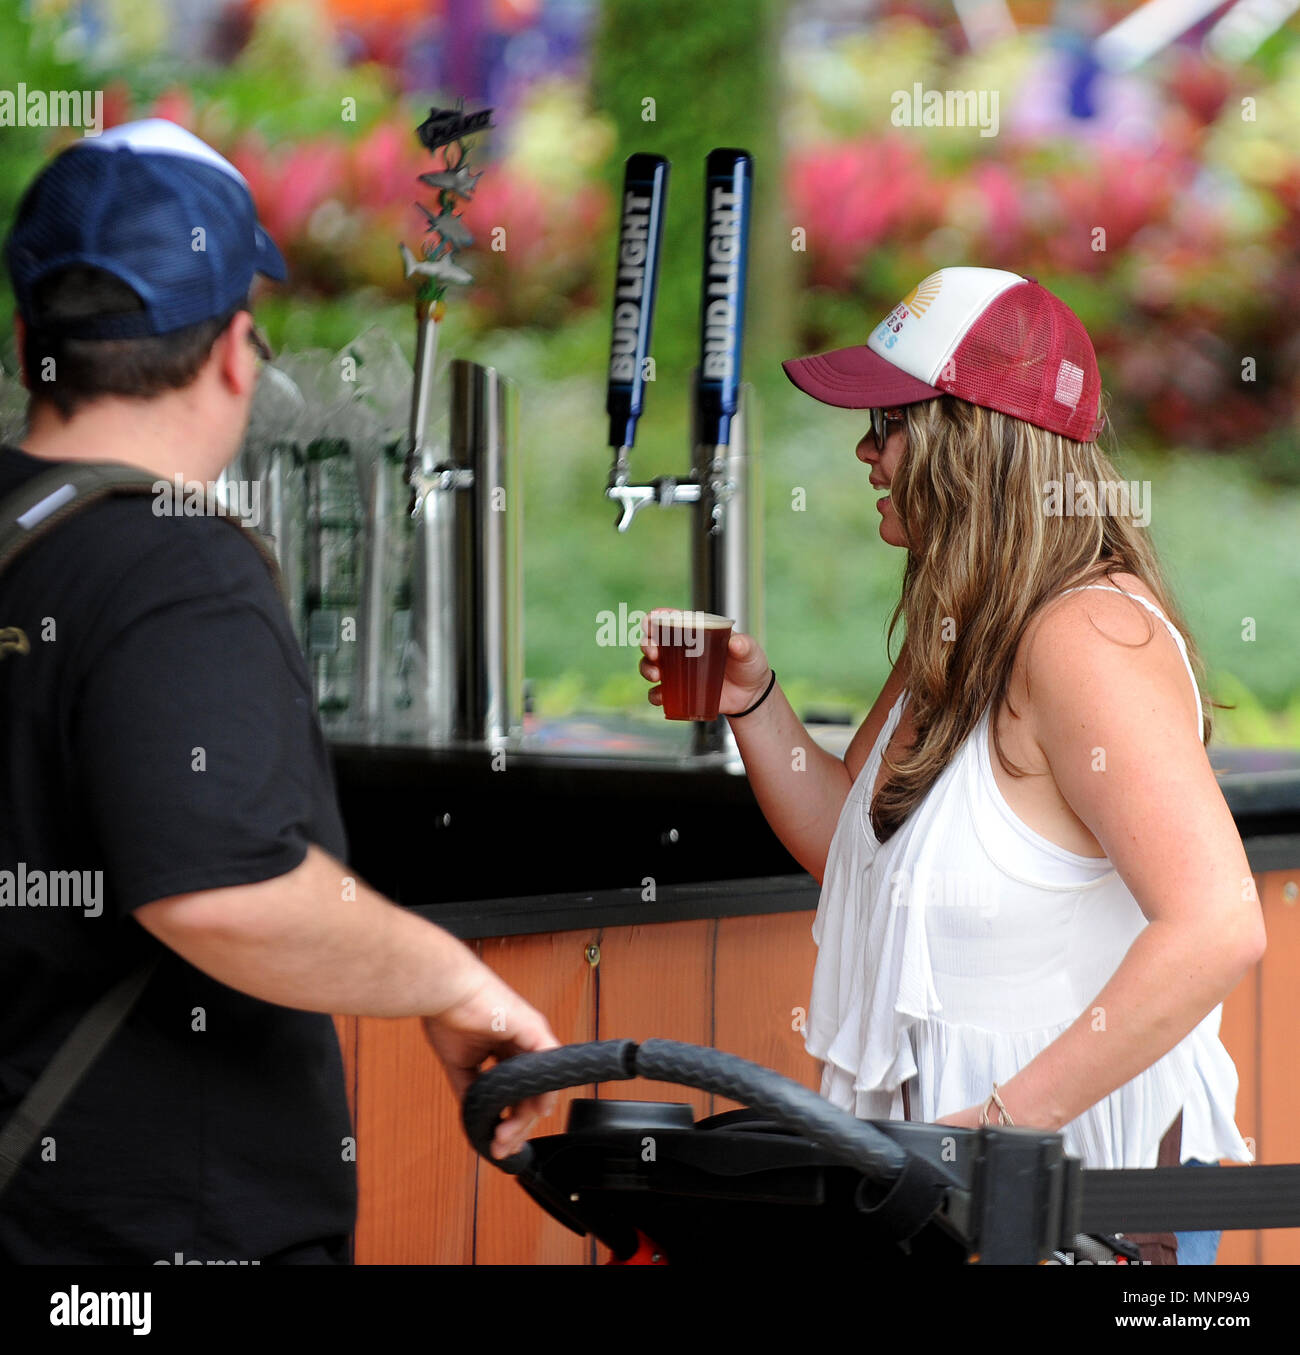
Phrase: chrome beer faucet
(725, 561)
(664, 490)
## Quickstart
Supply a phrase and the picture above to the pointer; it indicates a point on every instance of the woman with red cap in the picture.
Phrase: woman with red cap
(1034, 897)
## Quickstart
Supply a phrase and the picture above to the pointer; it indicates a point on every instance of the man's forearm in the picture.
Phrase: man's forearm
(318, 939)
(1166, 985)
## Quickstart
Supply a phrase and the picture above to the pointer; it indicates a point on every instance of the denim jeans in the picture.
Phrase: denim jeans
(1197, 1249)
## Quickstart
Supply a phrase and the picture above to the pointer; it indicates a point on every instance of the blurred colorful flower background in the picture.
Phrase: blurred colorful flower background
(1162, 202)
(1164, 205)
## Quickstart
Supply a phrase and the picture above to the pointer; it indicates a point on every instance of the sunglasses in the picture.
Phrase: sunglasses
(260, 345)
(880, 421)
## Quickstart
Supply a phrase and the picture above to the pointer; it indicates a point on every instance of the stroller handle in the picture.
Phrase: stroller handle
(853, 1142)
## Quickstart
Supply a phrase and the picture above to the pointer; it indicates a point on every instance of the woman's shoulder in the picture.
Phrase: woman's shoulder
(1113, 605)
(1120, 582)
(1085, 644)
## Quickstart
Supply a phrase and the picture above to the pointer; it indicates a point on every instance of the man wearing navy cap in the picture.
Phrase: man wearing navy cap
(157, 735)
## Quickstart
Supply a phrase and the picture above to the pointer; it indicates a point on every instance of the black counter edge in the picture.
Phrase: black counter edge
(1249, 794)
(530, 914)
(624, 907)
(1279, 851)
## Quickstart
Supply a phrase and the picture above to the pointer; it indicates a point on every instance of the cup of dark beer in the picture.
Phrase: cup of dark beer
(692, 661)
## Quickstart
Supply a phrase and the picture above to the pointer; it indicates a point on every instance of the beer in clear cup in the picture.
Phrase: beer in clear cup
(692, 661)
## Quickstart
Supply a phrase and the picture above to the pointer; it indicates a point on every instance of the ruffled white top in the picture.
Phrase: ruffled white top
(962, 947)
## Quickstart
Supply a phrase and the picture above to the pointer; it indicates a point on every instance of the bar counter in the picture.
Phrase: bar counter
(565, 829)
(629, 891)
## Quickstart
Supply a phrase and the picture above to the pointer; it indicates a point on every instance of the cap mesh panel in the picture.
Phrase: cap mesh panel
(1028, 355)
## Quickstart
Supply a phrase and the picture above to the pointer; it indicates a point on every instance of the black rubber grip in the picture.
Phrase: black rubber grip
(515, 1079)
(854, 1142)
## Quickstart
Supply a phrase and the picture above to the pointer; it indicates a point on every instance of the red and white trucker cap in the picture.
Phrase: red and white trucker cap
(984, 335)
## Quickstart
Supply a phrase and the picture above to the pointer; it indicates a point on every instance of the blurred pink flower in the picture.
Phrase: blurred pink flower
(548, 254)
(175, 105)
(385, 166)
(851, 197)
(1119, 192)
(997, 196)
(289, 183)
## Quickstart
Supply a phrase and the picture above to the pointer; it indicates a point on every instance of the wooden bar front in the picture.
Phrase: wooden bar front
(734, 983)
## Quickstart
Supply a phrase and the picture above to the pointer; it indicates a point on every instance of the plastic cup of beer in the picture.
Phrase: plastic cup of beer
(692, 661)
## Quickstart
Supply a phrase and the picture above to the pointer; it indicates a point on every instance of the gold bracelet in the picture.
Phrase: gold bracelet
(1004, 1116)
(1003, 1112)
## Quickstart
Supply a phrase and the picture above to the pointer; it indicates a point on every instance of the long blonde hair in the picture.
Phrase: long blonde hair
(984, 555)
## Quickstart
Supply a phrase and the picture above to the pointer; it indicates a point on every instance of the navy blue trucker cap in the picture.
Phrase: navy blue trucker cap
(156, 207)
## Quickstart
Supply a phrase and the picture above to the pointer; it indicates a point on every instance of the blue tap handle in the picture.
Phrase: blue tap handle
(728, 195)
(640, 237)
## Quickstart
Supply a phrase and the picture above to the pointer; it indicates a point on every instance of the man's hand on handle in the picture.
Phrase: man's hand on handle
(492, 1021)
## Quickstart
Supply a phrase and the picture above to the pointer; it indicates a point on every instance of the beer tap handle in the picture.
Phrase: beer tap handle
(728, 193)
(645, 192)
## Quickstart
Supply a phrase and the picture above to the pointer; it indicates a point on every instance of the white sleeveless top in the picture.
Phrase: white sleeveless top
(962, 947)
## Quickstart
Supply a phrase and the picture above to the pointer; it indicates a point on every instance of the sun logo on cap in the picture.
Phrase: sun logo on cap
(922, 296)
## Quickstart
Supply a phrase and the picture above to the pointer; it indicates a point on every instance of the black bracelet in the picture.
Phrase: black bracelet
(759, 702)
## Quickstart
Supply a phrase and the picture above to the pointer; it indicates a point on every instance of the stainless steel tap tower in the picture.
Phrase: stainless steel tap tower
(722, 487)
(467, 584)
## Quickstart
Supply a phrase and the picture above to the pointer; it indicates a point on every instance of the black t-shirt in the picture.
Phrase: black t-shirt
(160, 731)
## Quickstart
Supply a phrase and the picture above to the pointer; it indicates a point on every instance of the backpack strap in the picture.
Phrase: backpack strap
(26, 516)
(70, 487)
(69, 1065)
